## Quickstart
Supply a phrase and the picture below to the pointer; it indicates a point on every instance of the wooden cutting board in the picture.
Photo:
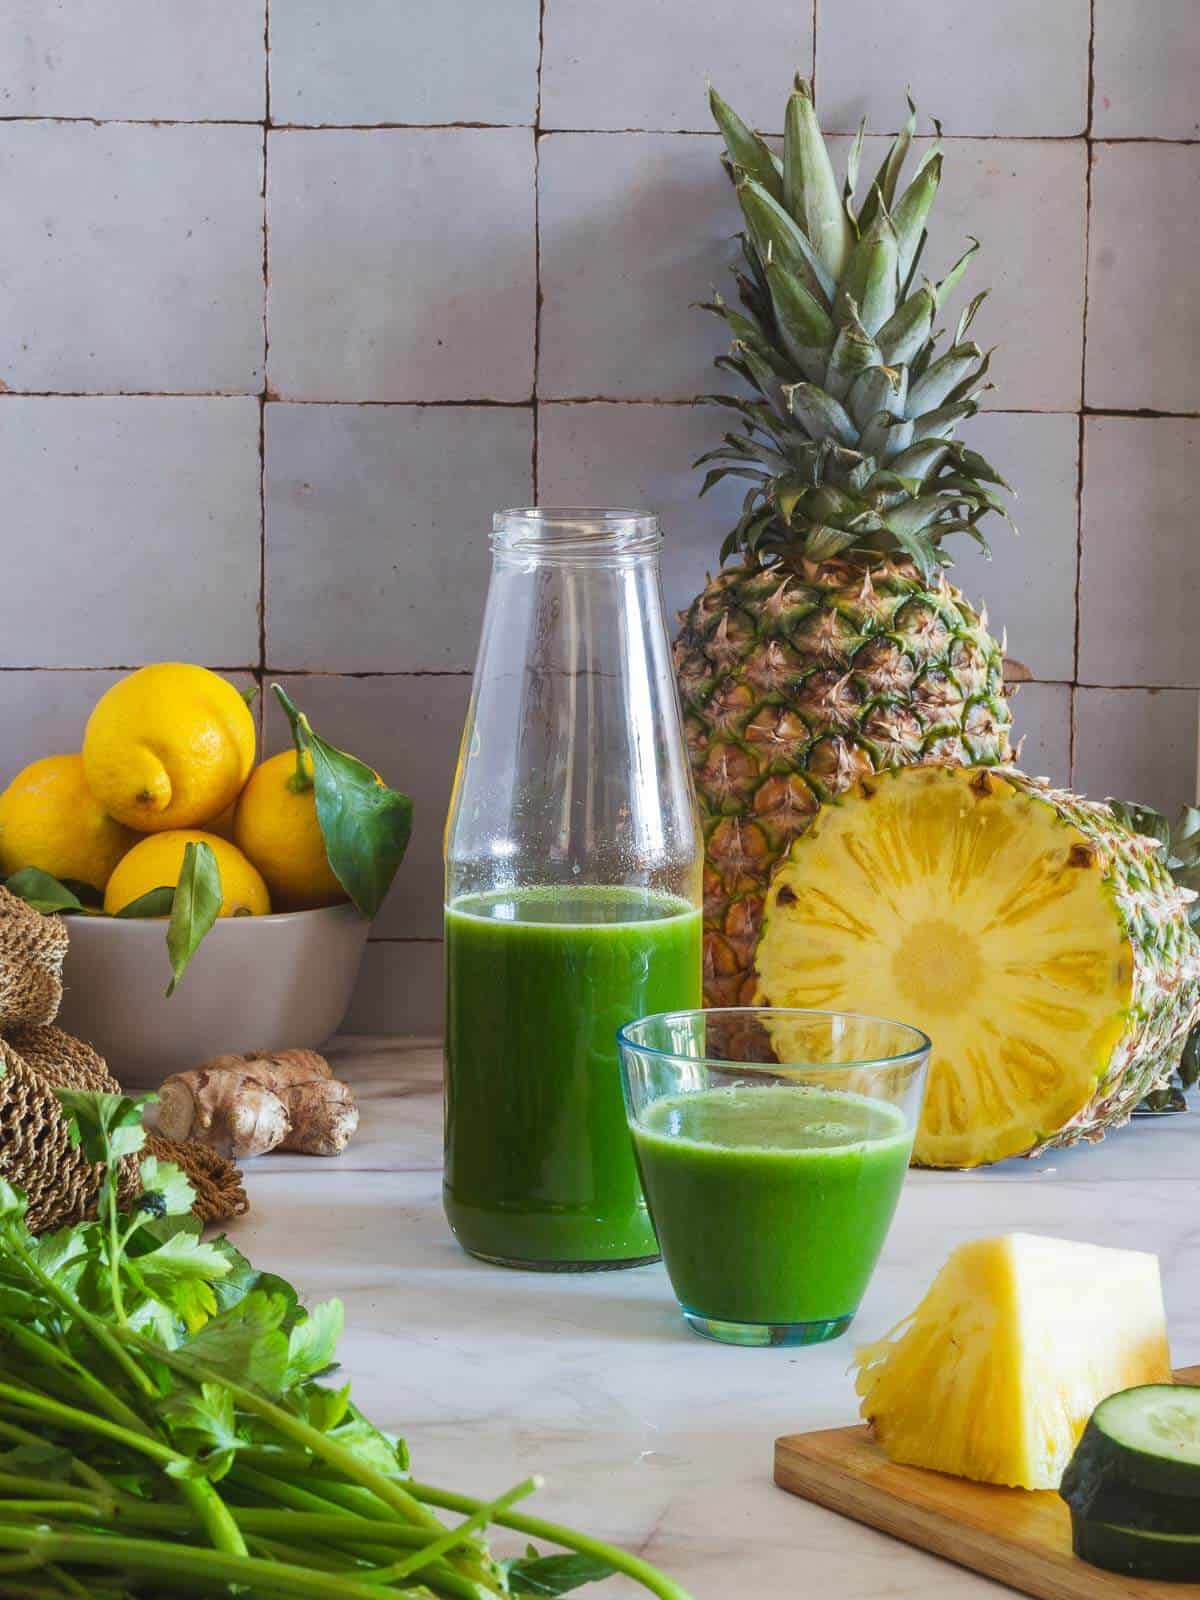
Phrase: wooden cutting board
(1019, 1537)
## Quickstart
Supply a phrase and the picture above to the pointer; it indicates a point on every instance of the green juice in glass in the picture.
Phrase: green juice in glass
(539, 1165)
(771, 1203)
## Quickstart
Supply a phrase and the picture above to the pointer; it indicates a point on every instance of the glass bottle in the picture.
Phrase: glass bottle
(573, 889)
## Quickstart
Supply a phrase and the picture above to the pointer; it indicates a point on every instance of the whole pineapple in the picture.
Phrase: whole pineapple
(830, 645)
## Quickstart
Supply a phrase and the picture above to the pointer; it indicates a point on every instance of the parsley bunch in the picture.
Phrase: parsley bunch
(162, 1425)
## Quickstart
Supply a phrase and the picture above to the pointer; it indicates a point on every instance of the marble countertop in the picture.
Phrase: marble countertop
(646, 1434)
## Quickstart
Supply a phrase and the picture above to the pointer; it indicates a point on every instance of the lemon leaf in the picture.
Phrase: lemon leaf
(196, 906)
(365, 825)
(154, 903)
(44, 893)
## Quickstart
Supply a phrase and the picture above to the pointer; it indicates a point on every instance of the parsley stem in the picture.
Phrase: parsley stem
(632, 1566)
(150, 1556)
(389, 1490)
(453, 1537)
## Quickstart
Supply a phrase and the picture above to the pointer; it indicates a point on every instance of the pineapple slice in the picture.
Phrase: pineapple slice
(1041, 945)
(997, 1371)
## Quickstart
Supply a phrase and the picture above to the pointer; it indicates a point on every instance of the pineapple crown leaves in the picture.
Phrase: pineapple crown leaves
(848, 440)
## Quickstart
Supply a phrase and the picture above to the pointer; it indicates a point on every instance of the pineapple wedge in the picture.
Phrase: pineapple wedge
(997, 1371)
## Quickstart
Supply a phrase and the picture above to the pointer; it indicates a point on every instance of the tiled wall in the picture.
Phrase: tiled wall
(289, 304)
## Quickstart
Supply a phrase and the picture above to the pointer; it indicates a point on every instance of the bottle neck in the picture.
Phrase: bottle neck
(583, 537)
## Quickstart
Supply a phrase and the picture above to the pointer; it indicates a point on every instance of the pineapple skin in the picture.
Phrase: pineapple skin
(994, 1375)
(1155, 985)
(800, 678)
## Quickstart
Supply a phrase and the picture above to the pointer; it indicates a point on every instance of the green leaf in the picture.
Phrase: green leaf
(810, 189)
(250, 695)
(312, 1343)
(870, 285)
(920, 460)
(365, 825)
(86, 893)
(878, 389)
(853, 352)
(883, 186)
(246, 1343)
(166, 1191)
(804, 324)
(941, 423)
(44, 893)
(746, 150)
(105, 1126)
(12, 1203)
(202, 1423)
(947, 285)
(371, 1444)
(325, 1408)
(912, 210)
(778, 237)
(972, 463)
(154, 903)
(554, 1575)
(821, 416)
(182, 1256)
(908, 329)
(941, 376)
(196, 906)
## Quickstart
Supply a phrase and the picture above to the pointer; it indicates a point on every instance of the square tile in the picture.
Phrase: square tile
(1029, 584)
(1042, 730)
(1025, 200)
(408, 729)
(1147, 65)
(376, 61)
(399, 990)
(1137, 744)
(187, 60)
(1008, 67)
(591, 78)
(1141, 562)
(131, 258)
(634, 228)
(1143, 319)
(377, 531)
(401, 264)
(139, 525)
(604, 454)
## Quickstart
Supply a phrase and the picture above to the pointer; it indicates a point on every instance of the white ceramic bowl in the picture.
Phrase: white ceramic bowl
(255, 983)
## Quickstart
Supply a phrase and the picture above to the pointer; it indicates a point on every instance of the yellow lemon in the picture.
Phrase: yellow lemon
(276, 826)
(50, 819)
(170, 746)
(156, 864)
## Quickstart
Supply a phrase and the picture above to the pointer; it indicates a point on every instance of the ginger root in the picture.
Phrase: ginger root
(245, 1105)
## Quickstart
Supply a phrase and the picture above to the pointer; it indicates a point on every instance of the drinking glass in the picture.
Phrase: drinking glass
(772, 1146)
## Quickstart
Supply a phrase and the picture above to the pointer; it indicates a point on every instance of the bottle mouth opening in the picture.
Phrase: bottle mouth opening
(575, 531)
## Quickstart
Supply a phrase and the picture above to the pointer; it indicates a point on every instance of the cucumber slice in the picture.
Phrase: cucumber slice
(1145, 1439)
(1140, 1509)
(1172, 1557)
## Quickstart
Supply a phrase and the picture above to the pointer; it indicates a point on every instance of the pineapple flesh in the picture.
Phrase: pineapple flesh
(830, 645)
(995, 1374)
(1043, 947)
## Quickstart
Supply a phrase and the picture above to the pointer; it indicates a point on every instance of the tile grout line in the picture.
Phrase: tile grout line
(374, 673)
(435, 127)
(813, 76)
(478, 403)
(1081, 458)
(266, 383)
